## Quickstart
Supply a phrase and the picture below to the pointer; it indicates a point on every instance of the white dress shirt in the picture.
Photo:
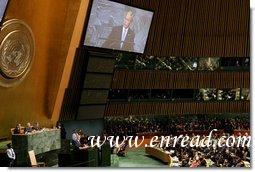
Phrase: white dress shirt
(74, 137)
(123, 36)
(10, 153)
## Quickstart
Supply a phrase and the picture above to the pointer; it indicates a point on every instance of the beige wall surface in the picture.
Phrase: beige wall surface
(33, 100)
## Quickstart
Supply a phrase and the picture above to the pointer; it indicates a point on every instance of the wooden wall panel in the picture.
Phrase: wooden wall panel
(197, 27)
(33, 100)
(175, 108)
(161, 79)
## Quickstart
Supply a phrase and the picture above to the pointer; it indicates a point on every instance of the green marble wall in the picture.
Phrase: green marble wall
(40, 142)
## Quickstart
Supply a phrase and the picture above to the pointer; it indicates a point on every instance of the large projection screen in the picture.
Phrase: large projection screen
(117, 26)
(3, 5)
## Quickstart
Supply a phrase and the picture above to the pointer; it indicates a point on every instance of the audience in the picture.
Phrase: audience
(147, 62)
(203, 94)
(212, 156)
(188, 156)
(121, 126)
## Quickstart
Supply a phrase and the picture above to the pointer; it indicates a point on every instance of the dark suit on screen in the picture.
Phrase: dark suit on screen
(114, 39)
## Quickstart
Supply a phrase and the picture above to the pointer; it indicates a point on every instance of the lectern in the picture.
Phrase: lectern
(40, 141)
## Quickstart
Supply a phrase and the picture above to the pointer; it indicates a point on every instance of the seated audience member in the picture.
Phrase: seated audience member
(174, 160)
(208, 160)
(195, 162)
(10, 155)
(37, 127)
(17, 129)
(28, 128)
(203, 163)
(121, 150)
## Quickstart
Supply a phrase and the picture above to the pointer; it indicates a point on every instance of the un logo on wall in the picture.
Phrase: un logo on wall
(17, 51)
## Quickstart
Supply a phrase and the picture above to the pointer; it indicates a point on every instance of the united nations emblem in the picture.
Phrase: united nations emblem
(17, 50)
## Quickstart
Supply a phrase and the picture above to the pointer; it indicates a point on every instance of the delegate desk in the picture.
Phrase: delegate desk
(39, 141)
(158, 153)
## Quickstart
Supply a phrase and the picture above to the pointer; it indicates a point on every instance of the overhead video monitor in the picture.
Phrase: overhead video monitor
(3, 5)
(117, 26)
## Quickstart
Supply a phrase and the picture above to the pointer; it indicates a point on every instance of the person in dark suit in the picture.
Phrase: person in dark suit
(37, 127)
(122, 37)
(10, 155)
(28, 128)
(121, 150)
(62, 130)
(17, 129)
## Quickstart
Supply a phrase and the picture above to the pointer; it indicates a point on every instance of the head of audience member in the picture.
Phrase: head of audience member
(28, 125)
(37, 126)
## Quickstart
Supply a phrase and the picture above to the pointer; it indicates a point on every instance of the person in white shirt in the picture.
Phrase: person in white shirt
(10, 155)
(174, 160)
(76, 139)
(122, 37)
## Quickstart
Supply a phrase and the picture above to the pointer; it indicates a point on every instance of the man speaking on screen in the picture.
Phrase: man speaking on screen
(122, 37)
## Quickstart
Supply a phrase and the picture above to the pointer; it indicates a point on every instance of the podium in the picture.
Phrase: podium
(105, 159)
(79, 158)
(40, 141)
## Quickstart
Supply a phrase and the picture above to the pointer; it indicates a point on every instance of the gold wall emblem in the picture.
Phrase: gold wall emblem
(17, 48)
